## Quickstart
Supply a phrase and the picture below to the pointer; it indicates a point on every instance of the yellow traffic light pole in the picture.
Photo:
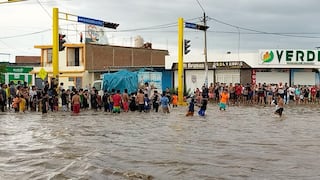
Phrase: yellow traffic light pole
(180, 62)
(55, 42)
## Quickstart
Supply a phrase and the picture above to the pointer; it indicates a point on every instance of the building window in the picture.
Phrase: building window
(49, 57)
(73, 57)
(77, 81)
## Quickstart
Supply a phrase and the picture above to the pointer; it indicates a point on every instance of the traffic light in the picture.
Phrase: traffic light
(186, 46)
(202, 27)
(61, 41)
(110, 25)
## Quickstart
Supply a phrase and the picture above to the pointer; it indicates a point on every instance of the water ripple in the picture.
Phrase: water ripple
(240, 143)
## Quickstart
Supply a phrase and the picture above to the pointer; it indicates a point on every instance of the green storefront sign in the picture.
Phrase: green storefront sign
(19, 69)
(17, 74)
(275, 56)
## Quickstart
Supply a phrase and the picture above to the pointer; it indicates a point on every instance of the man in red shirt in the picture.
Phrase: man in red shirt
(313, 91)
(116, 102)
(238, 91)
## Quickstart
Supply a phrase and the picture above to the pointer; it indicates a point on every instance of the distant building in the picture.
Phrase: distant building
(10, 72)
(19, 72)
(272, 66)
(81, 64)
(33, 61)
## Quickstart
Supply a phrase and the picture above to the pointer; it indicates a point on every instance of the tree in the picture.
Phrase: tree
(3, 70)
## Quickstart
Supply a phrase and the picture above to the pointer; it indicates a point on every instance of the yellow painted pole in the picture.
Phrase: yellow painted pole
(55, 42)
(180, 62)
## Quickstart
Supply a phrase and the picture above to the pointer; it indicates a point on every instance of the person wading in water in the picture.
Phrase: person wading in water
(76, 103)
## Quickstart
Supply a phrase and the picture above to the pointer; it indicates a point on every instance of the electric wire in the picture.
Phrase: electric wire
(26, 34)
(264, 32)
(45, 10)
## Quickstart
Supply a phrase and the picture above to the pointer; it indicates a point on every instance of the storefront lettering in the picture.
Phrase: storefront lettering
(279, 55)
(300, 57)
(17, 70)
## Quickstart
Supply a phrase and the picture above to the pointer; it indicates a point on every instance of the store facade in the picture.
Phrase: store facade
(294, 67)
(218, 72)
(271, 66)
(18, 74)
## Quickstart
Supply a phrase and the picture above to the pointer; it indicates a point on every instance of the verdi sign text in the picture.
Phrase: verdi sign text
(289, 57)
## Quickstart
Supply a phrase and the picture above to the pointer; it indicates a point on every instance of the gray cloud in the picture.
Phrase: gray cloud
(281, 16)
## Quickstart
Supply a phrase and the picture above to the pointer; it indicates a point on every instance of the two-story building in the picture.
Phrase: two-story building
(81, 64)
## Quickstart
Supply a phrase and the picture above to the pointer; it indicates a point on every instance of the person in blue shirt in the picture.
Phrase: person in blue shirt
(191, 108)
(164, 101)
(147, 105)
(203, 108)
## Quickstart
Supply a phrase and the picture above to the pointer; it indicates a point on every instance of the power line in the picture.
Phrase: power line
(39, 2)
(27, 34)
(264, 32)
(200, 6)
(162, 26)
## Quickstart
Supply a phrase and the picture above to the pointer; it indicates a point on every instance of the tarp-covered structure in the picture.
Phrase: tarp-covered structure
(120, 80)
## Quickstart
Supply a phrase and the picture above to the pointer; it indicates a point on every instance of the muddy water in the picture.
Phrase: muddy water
(240, 143)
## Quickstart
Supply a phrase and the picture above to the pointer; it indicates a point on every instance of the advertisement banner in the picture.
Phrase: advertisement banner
(296, 57)
(95, 34)
(153, 78)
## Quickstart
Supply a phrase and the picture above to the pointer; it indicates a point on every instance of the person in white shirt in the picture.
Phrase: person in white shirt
(33, 98)
(291, 91)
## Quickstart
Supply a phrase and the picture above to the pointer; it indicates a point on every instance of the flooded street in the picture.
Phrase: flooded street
(240, 143)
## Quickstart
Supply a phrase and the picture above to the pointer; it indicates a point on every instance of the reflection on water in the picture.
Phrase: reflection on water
(240, 143)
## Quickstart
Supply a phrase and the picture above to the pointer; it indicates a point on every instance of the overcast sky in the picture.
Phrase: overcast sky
(235, 25)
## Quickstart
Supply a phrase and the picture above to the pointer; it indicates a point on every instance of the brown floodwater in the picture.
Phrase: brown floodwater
(240, 143)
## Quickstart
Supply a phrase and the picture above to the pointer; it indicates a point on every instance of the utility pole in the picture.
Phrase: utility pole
(205, 50)
(205, 27)
(55, 42)
(180, 62)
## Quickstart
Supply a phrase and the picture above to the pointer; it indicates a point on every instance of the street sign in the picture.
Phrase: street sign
(196, 26)
(97, 22)
(90, 21)
(42, 73)
(191, 25)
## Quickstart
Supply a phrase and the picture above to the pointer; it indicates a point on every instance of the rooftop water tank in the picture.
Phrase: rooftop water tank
(138, 41)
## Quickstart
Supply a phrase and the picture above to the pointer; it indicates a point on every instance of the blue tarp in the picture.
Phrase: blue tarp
(120, 80)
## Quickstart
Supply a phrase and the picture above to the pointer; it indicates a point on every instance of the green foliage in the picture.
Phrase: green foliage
(185, 93)
(3, 70)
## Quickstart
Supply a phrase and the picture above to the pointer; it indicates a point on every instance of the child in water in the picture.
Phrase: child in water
(15, 103)
(224, 97)
(45, 103)
(22, 104)
(191, 108)
(203, 108)
(280, 105)
(174, 100)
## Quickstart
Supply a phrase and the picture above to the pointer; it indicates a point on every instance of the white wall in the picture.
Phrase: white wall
(272, 77)
(304, 78)
(196, 78)
(199, 77)
(228, 76)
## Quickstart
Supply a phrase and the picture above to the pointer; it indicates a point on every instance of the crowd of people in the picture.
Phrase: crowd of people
(263, 94)
(54, 97)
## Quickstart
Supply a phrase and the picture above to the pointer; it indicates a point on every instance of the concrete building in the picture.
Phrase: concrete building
(32, 61)
(294, 67)
(19, 72)
(81, 64)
